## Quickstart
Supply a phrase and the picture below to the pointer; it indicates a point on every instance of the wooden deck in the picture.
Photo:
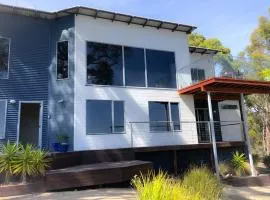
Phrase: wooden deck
(95, 174)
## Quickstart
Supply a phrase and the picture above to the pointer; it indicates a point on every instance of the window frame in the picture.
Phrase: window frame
(9, 50)
(5, 122)
(112, 117)
(170, 117)
(61, 79)
(197, 70)
(123, 62)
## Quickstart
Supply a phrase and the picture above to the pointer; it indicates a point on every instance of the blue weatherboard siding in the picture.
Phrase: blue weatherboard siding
(31, 55)
(61, 115)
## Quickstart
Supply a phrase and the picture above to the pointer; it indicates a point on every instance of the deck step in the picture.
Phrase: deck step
(95, 174)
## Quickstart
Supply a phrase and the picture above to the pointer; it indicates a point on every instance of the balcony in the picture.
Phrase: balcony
(164, 133)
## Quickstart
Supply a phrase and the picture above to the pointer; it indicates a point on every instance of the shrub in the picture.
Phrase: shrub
(200, 180)
(161, 187)
(266, 161)
(41, 161)
(256, 159)
(238, 163)
(198, 184)
(24, 164)
(225, 168)
(7, 157)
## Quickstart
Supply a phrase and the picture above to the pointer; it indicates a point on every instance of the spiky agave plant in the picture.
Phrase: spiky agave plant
(24, 164)
(238, 163)
(41, 161)
(7, 157)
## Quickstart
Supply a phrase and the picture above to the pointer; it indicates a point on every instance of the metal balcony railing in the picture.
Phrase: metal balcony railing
(163, 133)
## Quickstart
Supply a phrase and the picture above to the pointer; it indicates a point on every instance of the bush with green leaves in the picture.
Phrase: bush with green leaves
(266, 161)
(202, 181)
(7, 158)
(239, 164)
(197, 184)
(23, 160)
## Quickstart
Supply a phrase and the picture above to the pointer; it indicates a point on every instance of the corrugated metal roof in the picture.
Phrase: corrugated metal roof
(98, 14)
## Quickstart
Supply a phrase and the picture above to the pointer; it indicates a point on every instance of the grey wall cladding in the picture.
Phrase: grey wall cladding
(61, 115)
(32, 58)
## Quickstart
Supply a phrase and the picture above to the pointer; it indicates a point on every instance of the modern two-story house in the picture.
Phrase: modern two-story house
(114, 81)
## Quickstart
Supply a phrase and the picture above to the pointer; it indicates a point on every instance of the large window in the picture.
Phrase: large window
(104, 64)
(134, 67)
(129, 66)
(4, 57)
(164, 116)
(104, 117)
(3, 108)
(62, 60)
(161, 69)
(197, 75)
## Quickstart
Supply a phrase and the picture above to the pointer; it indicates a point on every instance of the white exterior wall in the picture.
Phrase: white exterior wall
(199, 61)
(136, 99)
(229, 117)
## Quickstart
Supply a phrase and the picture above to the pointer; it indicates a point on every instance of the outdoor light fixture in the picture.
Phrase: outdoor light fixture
(60, 101)
(12, 101)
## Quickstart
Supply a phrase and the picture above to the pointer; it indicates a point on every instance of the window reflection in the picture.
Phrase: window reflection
(161, 69)
(62, 60)
(4, 57)
(104, 64)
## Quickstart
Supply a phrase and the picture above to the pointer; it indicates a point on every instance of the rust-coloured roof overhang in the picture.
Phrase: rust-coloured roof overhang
(227, 86)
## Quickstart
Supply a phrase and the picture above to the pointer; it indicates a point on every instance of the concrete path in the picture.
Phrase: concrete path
(232, 193)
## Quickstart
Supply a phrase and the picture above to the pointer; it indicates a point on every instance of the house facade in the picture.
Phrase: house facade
(113, 81)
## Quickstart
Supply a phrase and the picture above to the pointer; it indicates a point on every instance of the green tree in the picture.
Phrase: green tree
(258, 53)
(198, 40)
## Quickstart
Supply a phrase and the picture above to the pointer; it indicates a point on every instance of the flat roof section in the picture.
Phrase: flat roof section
(95, 13)
(227, 87)
(201, 50)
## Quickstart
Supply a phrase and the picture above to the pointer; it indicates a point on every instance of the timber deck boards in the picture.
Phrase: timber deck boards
(95, 174)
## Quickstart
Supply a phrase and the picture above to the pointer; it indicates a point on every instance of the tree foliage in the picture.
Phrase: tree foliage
(198, 40)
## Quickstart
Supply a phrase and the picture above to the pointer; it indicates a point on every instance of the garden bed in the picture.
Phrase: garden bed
(249, 181)
(21, 189)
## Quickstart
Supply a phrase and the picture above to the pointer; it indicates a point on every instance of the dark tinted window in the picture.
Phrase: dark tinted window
(197, 75)
(118, 116)
(4, 57)
(62, 60)
(175, 116)
(161, 69)
(134, 66)
(101, 119)
(98, 116)
(3, 105)
(104, 64)
(159, 116)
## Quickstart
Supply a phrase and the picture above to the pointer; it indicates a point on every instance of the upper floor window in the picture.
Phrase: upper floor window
(129, 66)
(4, 57)
(161, 69)
(104, 64)
(104, 117)
(134, 67)
(197, 75)
(3, 108)
(164, 116)
(62, 60)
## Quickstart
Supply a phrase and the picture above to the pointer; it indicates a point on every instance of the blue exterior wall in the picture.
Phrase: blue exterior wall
(31, 55)
(61, 115)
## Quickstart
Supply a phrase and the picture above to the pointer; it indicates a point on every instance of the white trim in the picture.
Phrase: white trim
(5, 122)
(40, 120)
(9, 50)
(56, 63)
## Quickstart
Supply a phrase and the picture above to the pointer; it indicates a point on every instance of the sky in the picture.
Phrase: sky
(231, 21)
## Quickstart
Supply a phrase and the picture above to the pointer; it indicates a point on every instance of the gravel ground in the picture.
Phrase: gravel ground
(232, 193)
